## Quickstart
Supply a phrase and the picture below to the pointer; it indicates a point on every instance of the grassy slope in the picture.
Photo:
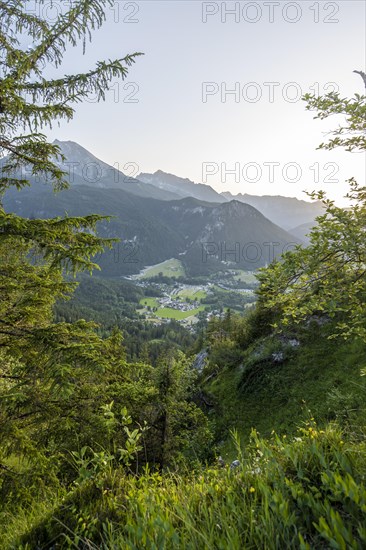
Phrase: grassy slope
(245, 277)
(193, 294)
(169, 268)
(170, 313)
(146, 301)
(278, 498)
(167, 312)
(302, 492)
(320, 378)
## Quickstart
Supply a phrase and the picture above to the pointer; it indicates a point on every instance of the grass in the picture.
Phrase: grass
(302, 493)
(245, 277)
(193, 294)
(321, 375)
(167, 312)
(169, 268)
(219, 289)
(151, 302)
(170, 313)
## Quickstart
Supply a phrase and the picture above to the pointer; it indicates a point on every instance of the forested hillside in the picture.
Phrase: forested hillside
(246, 432)
(202, 235)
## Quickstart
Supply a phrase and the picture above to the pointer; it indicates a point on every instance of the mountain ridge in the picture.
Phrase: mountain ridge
(287, 212)
(83, 168)
(206, 237)
(181, 186)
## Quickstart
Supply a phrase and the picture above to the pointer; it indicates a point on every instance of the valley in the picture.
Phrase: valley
(191, 303)
(205, 231)
(182, 367)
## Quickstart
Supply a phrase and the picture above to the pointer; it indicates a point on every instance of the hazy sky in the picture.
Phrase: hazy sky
(175, 112)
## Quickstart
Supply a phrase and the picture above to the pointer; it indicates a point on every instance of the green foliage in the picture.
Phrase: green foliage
(261, 362)
(28, 101)
(45, 365)
(351, 134)
(327, 278)
(312, 294)
(114, 303)
(220, 299)
(92, 465)
(227, 337)
(181, 427)
(275, 385)
(302, 492)
(224, 354)
(54, 377)
(89, 441)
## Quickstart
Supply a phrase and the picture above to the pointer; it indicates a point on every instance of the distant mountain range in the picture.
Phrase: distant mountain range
(206, 237)
(182, 187)
(83, 168)
(287, 212)
(86, 169)
(161, 216)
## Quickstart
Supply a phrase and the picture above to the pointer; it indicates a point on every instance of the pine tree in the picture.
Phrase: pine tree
(181, 427)
(47, 369)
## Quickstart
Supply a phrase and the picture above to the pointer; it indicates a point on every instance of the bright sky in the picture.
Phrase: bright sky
(175, 112)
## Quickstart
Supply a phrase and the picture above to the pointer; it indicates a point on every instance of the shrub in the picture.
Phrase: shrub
(307, 492)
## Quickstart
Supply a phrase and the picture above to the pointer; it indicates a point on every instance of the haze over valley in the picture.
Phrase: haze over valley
(182, 275)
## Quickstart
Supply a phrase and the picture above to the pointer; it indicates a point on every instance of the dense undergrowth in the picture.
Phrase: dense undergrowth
(307, 491)
(277, 382)
(98, 452)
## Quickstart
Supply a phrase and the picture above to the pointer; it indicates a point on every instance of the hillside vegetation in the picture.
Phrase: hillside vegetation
(100, 448)
(278, 382)
(304, 492)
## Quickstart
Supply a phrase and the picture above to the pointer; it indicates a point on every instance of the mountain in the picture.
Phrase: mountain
(287, 212)
(230, 234)
(205, 236)
(152, 220)
(83, 168)
(86, 169)
(302, 231)
(183, 187)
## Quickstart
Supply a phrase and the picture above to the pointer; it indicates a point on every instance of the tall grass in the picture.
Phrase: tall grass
(305, 492)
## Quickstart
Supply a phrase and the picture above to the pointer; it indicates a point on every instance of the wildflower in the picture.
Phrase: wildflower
(251, 490)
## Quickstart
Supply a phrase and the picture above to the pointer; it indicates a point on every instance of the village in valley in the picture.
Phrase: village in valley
(169, 295)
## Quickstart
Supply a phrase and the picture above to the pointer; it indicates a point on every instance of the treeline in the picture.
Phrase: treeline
(114, 304)
(99, 451)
